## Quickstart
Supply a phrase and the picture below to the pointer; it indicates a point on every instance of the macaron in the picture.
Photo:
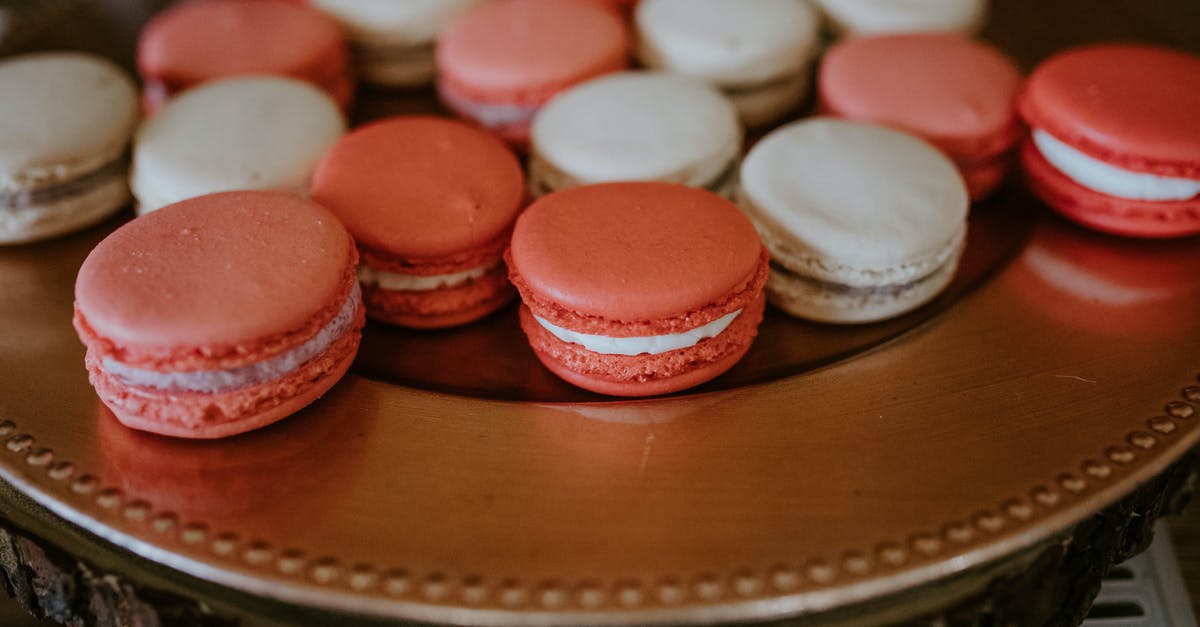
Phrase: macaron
(759, 52)
(637, 289)
(876, 17)
(65, 123)
(201, 40)
(1115, 142)
(219, 314)
(431, 203)
(245, 132)
(500, 62)
(636, 126)
(958, 93)
(392, 42)
(863, 222)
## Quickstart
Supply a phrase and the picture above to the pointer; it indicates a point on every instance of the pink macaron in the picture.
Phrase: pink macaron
(637, 289)
(200, 40)
(955, 92)
(499, 63)
(219, 314)
(1115, 142)
(431, 202)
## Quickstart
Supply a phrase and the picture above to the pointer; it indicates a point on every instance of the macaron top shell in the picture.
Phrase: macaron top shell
(388, 22)
(731, 42)
(957, 92)
(248, 132)
(639, 126)
(1131, 105)
(865, 17)
(223, 269)
(525, 50)
(62, 114)
(866, 196)
(421, 187)
(634, 251)
(205, 39)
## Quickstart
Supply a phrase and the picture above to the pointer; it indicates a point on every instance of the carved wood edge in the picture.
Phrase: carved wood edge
(1051, 584)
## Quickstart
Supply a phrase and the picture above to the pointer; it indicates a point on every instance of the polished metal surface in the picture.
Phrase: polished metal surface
(451, 479)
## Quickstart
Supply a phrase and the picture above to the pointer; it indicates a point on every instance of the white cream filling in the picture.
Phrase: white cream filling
(214, 381)
(396, 282)
(1106, 179)
(490, 115)
(649, 344)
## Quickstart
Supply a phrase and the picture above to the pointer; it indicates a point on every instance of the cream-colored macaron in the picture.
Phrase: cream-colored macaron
(65, 123)
(862, 222)
(636, 126)
(877, 17)
(758, 51)
(393, 39)
(251, 132)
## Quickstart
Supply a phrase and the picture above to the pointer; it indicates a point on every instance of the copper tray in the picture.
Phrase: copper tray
(452, 479)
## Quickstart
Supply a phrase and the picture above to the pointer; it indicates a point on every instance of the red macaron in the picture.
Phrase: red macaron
(638, 289)
(1115, 141)
(955, 92)
(201, 40)
(431, 203)
(219, 314)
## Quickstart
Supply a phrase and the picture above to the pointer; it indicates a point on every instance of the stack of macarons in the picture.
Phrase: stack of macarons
(201, 40)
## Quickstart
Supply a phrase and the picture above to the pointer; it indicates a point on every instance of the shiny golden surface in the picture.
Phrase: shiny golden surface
(452, 479)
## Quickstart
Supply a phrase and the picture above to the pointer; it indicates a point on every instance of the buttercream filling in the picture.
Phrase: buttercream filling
(648, 344)
(842, 289)
(397, 282)
(1108, 179)
(26, 198)
(257, 373)
(488, 114)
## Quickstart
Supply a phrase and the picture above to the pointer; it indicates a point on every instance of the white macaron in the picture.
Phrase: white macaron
(862, 222)
(65, 123)
(879, 17)
(251, 132)
(635, 126)
(393, 40)
(759, 52)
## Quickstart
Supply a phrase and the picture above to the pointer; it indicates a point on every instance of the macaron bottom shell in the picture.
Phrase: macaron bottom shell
(645, 374)
(207, 416)
(985, 177)
(1110, 214)
(761, 105)
(40, 221)
(441, 308)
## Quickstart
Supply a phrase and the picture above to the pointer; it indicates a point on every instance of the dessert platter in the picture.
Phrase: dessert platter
(451, 478)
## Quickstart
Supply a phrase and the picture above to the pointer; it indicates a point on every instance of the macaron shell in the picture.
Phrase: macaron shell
(441, 308)
(866, 17)
(958, 93)
(66, 215)
(215, 275)
(207, 416)
(421, 188)
(205, 39)
(64, 114)
(526, 50)
(729, 42)
(645, 375)
(392, 23)
(983, 179)
(1133, 106)
(633, 251)
(1120, 216)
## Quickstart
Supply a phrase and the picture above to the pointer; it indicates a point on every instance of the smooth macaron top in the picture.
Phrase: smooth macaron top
(245, 132)
(205, 39)
(639, 126)
(954, 91)
(220, 270)
(62, 114)
(421, 187)
(837, 193)
(633, 251)
(525, 50)
(730, 42)
(388, 22)
(1135, 106)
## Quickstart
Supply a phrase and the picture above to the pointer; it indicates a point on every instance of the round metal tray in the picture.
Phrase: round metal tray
(451, 479)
